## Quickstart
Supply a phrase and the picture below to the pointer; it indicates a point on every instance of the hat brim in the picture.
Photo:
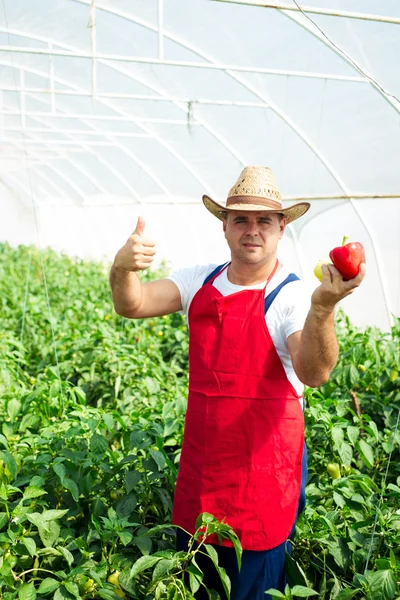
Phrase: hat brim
(291, 213)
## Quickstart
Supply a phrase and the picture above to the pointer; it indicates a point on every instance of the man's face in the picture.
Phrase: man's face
(253, 236)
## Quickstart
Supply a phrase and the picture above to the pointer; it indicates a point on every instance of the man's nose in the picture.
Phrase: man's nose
(252, 228)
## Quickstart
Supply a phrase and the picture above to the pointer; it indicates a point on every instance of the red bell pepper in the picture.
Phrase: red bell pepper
(347, 258)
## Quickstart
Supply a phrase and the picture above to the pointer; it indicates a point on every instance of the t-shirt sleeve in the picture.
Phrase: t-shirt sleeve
(189, 280)
(298, 303)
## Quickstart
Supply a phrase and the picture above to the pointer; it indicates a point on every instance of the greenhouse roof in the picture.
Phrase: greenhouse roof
(114, 108)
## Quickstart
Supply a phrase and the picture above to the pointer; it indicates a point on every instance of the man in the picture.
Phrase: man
(254, 342)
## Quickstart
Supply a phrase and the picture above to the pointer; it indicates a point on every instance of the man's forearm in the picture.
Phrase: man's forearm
(126, 291)
(318, 351)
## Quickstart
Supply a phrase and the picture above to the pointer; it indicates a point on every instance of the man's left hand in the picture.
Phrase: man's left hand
(333, 288)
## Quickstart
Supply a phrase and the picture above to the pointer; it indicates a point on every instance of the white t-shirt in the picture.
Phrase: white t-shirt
(285, 316)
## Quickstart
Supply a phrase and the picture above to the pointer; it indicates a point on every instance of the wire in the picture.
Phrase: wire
(341, 51)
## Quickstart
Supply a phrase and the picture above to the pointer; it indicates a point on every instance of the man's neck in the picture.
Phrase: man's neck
(250, 274)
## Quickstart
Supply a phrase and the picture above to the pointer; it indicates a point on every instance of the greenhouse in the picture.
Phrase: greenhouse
(116, 119)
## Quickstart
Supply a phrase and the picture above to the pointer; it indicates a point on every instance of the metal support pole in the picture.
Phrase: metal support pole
(161, 29)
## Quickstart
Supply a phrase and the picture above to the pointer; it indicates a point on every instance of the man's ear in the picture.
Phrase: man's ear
(282, 226)
(224, 224)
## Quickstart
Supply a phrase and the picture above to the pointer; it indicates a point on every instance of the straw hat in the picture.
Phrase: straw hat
(256, 189)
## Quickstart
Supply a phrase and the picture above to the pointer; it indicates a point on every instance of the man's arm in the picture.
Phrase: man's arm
(131, 298)
(314, 350)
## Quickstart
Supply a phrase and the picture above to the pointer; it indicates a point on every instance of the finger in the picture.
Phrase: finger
(143, 264)
(148, 243)
(327, 273)
(140, 226)
(355, 282)
(148, 251)
(144, 259)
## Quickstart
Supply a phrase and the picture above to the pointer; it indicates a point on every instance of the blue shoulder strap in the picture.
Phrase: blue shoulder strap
(211, 275)
(271, 297)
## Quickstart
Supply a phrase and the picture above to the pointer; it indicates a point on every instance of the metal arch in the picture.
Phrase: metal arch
(90, 151)
(375, 248)
(317, 11)
(126, 151)
(236, 77)
(213, 66)
(154, 135)
(21, 145)
(17, 144)
(282, 116)
(45, 143)
(288, 122)
(308, 27)
(28, 191)
(151, 133)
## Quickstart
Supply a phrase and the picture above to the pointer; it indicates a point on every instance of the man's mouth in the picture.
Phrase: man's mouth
(249, 245)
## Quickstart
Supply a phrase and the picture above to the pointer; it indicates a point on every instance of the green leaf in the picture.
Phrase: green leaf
(72, 588)
(158, 457)
(337, 435)
(144, 544)
(67, 555)
(345, 452)
(59, 469)
(62, 594)
(48, 585)
(107, 594)
(37, 520)
(109, 421)
(3, 519)
(345, 594)
(393, 562)
(10, 462)
(275, 593)
(27, 592)
(125, 536)
(353, 376)
(338, 499)
(382, 585)
(372, 428)
(33, 492)
(131, 480)
(340, 552)
(143, 563)
(13, 408)
(52, 515)
(126, 505)
(294, 572)
(98, 445)
(353, 434)
(49, 535)
(226, 582)
(71, 486)
(303, 592)
(212, 553)
(367, 453)
(195, 576)
(162, 568)
(29, 544)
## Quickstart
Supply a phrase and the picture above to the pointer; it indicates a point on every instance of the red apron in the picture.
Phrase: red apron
(244, 434)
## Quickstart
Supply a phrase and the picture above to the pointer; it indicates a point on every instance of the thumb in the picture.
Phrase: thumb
(140, 226)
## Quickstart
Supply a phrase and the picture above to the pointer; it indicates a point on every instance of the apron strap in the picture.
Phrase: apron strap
(271, 297)
(214, 273)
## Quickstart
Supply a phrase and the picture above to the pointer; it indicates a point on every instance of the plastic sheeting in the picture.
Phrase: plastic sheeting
(111, 109)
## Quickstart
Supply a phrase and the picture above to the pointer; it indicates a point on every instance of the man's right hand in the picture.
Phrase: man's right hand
(138, 252)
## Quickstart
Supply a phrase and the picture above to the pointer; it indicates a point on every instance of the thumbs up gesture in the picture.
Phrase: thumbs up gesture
(138, 252)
